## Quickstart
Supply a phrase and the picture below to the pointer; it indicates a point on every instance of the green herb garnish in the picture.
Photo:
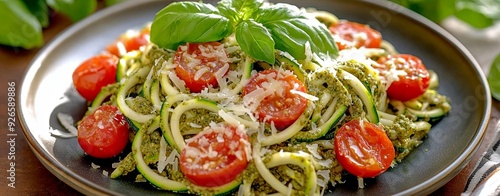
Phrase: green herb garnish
(259, 30)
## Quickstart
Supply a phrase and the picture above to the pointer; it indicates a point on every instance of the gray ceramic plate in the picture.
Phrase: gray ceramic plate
(47, 90)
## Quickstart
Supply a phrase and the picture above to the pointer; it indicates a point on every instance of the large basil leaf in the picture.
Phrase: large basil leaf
(74, 9)
(494, 78)
(183, 22)
(238, 10)
(291, 29)
(255, 40)
(19, 27)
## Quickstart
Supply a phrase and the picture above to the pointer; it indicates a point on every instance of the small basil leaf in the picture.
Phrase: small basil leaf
(255, 40)
(19, 27)
(494, 78)
(39, 9)
(292, 29)
(238, 10)
(183, 22)
(74, 9)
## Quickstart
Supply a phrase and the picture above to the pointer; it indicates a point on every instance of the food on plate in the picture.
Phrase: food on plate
(251, 97)
(104, 133)
(94, 74)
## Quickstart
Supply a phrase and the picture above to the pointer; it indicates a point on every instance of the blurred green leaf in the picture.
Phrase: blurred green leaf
(112, 2)
(74, 9)
(39, 9)
(477, 13)
(494, 78)
(435, 10)
(19, 27)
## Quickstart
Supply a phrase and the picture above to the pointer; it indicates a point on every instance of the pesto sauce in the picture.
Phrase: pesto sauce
(199, 117)
(140, 105)
(404, 136)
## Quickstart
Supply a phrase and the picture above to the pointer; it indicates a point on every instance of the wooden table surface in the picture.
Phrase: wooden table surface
(32, 178)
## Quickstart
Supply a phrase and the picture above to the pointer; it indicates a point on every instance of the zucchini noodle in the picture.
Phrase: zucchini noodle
(298, 160)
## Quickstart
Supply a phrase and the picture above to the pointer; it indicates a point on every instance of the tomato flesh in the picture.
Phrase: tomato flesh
(363, 148)
(198, 63)
(93, 74)
(129, 41)
(280, 105)
(348, 34)
(215, 156)
(104, 133)
(409, 86)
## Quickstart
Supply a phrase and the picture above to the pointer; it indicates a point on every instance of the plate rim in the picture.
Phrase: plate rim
(87, 187)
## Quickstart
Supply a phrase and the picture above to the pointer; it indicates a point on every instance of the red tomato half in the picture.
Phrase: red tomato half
(129, 41)
(104, 133)
(409, 86)
(279, 104)
(352, 34)
(215, 156)
(198, 63)
(363, 148)
(93, 74)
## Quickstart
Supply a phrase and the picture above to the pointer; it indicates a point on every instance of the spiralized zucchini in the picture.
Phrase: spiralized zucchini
(298, 160)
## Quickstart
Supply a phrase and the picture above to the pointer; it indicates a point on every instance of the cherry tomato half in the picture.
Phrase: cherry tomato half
(198, 63)
(409, 86)
(363, 148)
(104, 133)
(215, 156)
(280, 105)
(129, 41)
(93, 74)
(349, 34)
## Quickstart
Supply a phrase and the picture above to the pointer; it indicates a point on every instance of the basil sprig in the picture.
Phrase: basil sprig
(259, 30)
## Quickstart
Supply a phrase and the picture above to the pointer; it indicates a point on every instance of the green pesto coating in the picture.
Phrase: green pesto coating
(140, 105)
(404, 136)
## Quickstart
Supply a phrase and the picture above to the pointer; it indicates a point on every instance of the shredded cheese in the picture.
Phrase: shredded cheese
(180, 84)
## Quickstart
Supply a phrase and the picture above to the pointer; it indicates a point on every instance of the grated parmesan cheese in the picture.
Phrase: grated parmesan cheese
(180, 84)
(200, 73)
(94, 166)
(305, 95)
(67, 122)
(313, 149)
(162, 155)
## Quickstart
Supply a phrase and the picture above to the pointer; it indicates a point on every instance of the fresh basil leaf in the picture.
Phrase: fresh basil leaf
(478, 13)
(74, 9)
(494, 78)
(183, 22)
(19, 27)
(255, 40)
(292, 29)
(238, 10)
(39, 9)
